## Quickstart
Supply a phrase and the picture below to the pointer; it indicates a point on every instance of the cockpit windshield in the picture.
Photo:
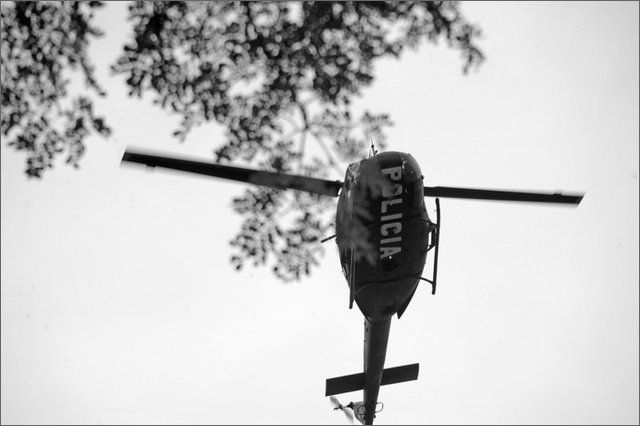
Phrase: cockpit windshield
(352, 171)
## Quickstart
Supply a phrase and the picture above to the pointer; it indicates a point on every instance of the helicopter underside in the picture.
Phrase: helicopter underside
(382, 231)
(385, 287)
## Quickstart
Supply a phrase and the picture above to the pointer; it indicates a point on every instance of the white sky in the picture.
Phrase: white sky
(119, 304)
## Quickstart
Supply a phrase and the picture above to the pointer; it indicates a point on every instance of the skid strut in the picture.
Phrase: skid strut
(436, 244)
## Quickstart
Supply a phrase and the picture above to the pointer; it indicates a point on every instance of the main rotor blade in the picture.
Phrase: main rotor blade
(490, 194)
(255, 177)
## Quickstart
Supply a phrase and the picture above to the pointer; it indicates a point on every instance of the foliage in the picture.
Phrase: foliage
(40, 41)
(273, 74)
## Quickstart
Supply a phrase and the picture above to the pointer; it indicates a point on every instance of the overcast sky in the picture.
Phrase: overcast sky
(119, 304)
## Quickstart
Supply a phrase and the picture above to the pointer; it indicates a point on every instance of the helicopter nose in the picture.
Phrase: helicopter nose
(410, 167)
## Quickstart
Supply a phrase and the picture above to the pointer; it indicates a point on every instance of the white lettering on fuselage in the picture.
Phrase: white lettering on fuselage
(390, 226)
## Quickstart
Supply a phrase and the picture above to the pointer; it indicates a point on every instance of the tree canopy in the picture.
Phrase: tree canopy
(275, 75)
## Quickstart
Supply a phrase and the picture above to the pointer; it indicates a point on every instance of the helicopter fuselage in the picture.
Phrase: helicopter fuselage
(382, 231)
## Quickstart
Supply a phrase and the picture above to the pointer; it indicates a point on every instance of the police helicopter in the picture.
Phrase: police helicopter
(383, 234)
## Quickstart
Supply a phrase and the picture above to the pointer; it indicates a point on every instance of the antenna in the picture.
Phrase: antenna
(372, 151)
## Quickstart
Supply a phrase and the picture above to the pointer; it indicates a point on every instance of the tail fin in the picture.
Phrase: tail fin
(358, 411)
(354, 382)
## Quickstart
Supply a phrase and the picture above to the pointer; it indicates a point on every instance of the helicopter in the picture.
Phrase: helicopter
(383, 235)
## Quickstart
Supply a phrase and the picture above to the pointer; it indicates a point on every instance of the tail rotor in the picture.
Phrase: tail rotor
(346, 409)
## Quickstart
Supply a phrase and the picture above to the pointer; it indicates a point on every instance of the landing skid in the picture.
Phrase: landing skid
(435, 243)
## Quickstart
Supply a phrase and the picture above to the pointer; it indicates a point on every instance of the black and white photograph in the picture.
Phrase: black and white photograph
(318, 212)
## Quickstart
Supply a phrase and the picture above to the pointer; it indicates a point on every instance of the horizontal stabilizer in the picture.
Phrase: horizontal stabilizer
(354, 382)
